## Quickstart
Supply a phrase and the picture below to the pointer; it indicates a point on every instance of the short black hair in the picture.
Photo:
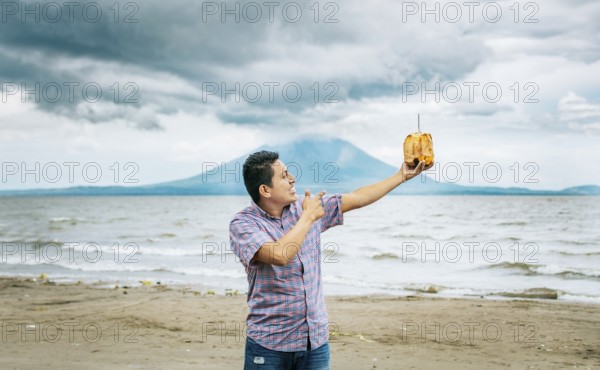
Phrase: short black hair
(258, 171)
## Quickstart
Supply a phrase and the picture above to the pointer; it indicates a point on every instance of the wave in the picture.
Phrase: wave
(344, 280)
(512, 223)
(117, 219)
(161, 237)
(412, 236)
(564, 253)
(572, 272)
(207, 236)
(108, 267)
(211, 272)
(182, 222)
(535, 293)
(171, 236)
(69, 220)
(548, 270)
(580, 298)
(104, 266)
(576, 242)
(385, 256)
(33, 243)
(177, 252)
(430, 289)
(123, 248)
(521, 266)
(136, 250)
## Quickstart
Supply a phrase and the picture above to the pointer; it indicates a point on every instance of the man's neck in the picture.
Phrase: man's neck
(272, 209)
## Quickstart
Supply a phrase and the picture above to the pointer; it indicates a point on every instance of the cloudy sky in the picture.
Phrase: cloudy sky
(159, 88)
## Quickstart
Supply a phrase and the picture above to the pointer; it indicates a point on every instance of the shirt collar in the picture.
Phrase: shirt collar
(262, 212)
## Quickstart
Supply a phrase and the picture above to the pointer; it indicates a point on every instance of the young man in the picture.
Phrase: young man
(278, 240)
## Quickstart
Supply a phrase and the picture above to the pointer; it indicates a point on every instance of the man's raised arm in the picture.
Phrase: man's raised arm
(371, 193)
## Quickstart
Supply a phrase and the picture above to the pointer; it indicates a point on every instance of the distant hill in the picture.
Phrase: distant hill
(331, 164)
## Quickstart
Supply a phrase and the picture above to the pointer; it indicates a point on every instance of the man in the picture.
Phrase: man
(278, 240)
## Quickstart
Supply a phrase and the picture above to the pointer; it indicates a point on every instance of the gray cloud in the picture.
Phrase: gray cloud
(170, 52)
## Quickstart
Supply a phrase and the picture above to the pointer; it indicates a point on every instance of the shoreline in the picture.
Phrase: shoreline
(542, 294)
(73, 326)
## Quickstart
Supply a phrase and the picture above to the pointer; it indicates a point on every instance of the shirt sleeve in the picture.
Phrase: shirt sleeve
(332, 205)
(246, 238)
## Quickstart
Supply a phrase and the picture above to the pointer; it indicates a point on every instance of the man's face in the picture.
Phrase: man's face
(283, 190)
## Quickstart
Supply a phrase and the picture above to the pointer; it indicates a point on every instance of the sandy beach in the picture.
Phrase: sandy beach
(76, 326)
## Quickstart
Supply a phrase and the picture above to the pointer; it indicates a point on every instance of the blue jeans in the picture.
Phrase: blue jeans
(258, 357)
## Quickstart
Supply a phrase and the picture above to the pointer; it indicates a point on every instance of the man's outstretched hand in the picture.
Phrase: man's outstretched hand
(312, 207)
(408, 173)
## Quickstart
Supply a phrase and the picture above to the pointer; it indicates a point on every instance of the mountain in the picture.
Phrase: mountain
(327, 164)
(333, 165)
(583, 190)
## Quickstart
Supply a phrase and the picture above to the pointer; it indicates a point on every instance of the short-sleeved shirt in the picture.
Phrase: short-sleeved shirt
(286, 303)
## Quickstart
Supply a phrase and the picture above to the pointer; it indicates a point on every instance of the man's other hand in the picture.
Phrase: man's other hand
(313, 207)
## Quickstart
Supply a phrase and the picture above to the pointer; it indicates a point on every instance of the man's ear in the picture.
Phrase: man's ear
(265, 191)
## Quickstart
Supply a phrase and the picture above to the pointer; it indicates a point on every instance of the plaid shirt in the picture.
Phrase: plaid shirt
(286, 302)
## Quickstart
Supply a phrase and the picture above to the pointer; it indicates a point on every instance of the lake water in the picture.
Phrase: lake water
(453, 246)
